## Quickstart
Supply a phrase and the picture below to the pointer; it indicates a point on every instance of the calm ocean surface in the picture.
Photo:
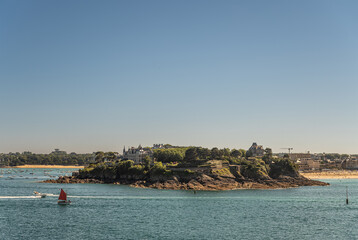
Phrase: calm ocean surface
(100, 211)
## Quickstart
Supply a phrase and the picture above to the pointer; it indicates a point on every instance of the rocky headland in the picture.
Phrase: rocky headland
(212, 176)
(202, 182)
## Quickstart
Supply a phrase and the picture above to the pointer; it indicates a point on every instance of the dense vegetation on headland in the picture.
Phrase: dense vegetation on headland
(196, 168)
(54, 158)
(168, 161)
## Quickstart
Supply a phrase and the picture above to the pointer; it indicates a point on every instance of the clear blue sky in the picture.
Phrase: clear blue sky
(96, 75)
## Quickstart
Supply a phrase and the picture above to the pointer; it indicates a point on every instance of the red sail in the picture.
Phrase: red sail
(63, 195)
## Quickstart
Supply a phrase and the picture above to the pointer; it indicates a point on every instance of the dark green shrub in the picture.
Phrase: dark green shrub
(283, 167)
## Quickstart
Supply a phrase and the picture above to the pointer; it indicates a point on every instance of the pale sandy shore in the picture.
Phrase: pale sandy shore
(339, 174)
(47, 166)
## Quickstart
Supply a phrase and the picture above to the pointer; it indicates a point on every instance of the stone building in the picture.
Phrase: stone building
(158, 146)
(308, 164)
(136, 154)
(256, 150)
(305, 161)
(300, 156)
(350, 163)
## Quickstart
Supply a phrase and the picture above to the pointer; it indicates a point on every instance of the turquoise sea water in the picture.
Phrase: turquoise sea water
(101, 211)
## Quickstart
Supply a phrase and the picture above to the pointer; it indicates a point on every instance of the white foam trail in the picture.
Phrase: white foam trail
(18, 197)
(99, 197)
(51, 195)
(93, 197)
(142, 197)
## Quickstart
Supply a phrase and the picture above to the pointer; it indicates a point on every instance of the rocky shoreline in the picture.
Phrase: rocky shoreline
(201, 182)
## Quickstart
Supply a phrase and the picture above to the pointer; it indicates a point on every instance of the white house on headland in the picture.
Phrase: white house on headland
(138, 154)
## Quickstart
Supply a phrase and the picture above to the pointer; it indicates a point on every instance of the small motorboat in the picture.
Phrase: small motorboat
(42, 195)
(62, 199)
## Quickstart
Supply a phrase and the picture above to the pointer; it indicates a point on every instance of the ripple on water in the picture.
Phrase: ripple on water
(120, 212)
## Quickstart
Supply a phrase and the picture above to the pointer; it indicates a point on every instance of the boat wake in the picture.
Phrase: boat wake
(18, 197)
(128, 197)
(92, 197)
(51, 195)
(28, 197)
(110, 197)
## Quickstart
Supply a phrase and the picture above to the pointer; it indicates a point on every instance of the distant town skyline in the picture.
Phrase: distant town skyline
(120, 149)
(84, 76)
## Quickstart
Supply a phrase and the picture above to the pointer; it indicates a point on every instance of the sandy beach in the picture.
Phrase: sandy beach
(47, 166)
(339, 174)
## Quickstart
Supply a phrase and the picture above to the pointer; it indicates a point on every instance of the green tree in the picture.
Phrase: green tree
(191, 154)
(283, 167)
(226, 152)
(169, 155)
(147, 161)
(99, 156)
(215, 153)
(243, 152)
(110, 156)
(267, 156)
(159, 169)
(235, 153)
(203, 153)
